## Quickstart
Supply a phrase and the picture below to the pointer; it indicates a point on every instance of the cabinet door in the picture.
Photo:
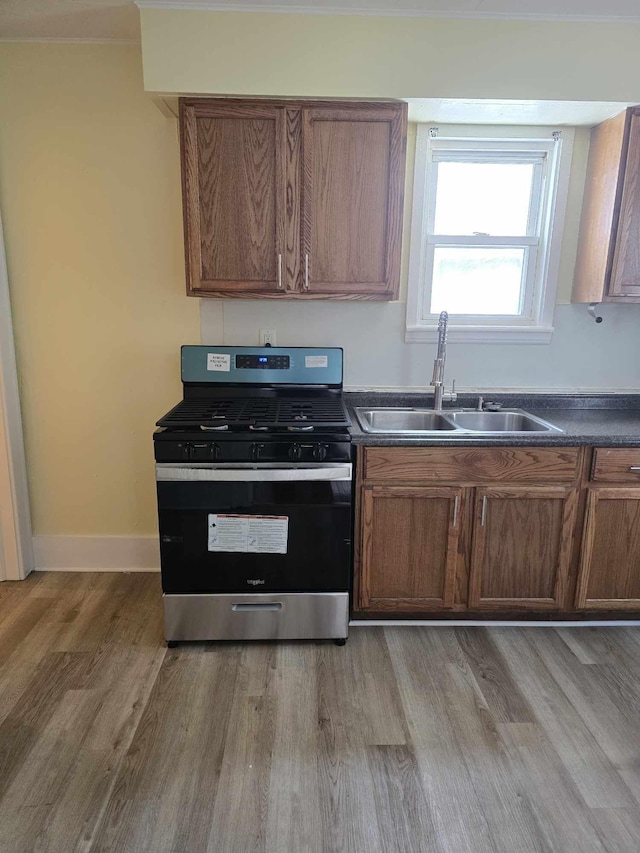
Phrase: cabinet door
(233, 194)
(625, 277)
(409, 552)
(609, 573)
(353, 187)
(522, 543)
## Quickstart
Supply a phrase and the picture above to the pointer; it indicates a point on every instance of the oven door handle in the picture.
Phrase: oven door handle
(185, 473)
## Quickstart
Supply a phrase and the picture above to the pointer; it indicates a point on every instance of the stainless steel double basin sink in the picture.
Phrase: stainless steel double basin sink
(454, 421)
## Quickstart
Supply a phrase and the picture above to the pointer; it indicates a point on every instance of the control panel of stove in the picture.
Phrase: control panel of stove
(168, 449)
(269, 366)
(316, 452)
(262, 362)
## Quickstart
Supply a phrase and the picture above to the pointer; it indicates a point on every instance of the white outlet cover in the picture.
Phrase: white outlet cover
(267, 336)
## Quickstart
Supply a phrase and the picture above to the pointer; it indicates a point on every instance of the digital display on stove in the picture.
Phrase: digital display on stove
(262, 362)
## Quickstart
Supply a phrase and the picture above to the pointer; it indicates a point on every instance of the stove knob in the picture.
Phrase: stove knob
(320, 452)
(256, 450)
(204, 451)
(295, 452)
(183, 450)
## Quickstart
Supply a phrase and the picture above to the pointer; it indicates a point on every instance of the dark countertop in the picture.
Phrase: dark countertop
(596, 420)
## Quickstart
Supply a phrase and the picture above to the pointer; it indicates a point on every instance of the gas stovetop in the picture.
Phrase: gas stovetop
(257, 404)
(264, 413)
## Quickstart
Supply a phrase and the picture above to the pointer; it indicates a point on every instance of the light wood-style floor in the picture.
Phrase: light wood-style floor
(406, 739)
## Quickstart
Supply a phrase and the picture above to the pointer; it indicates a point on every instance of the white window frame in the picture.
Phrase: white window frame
(551, 156)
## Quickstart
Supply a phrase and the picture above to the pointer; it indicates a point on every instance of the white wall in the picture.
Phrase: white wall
(335, 56)
(583, 355)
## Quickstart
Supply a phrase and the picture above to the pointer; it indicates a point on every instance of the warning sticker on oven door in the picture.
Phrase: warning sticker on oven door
(249, 534)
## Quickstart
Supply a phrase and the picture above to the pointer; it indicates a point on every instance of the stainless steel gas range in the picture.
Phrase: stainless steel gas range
(254, 484)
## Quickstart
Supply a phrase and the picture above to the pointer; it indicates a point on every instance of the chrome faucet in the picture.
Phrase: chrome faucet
(439, 393)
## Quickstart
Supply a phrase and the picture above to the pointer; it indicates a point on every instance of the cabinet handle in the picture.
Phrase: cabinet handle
(306, 271)
(634, 467)
(280, 270)
(455, 512)
(484, 511)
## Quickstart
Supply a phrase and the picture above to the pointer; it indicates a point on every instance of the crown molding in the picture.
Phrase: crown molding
(39, 40)
(216, 6)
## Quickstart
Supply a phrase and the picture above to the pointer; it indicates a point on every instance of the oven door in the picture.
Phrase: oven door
(254, 528)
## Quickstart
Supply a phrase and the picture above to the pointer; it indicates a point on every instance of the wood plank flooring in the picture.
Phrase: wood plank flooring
(509, 740)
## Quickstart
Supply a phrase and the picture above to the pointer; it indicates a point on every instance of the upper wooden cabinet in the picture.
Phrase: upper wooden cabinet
(293, 199)
(608, 259)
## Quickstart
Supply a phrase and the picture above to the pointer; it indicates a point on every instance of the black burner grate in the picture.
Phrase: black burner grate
(257, 411)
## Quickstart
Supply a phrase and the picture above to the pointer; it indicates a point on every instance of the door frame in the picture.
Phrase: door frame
(16, 543)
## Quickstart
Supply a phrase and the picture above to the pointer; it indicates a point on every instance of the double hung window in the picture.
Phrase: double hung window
(486, 232)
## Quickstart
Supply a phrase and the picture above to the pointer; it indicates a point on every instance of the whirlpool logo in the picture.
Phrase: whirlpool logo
(256, 581)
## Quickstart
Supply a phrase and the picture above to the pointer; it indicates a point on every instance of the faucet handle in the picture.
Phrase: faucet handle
(453, 396)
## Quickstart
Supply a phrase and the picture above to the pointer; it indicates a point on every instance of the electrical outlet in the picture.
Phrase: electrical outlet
(267, 336)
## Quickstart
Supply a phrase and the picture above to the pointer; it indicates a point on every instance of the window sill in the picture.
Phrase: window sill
(482, 334)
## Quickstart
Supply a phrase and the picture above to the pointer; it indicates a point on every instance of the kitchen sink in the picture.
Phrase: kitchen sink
(402, 421)
(512, 421)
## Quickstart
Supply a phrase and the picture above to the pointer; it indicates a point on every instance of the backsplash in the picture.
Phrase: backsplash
(582, 356)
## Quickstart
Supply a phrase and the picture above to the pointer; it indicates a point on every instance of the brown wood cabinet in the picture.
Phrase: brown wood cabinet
(466, 528)
(608, 259)
(410, 547)
(292, 199)
(609, 576)
(609, 570)
(522, 545)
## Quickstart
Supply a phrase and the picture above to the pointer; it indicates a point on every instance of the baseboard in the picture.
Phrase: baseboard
(96, 553)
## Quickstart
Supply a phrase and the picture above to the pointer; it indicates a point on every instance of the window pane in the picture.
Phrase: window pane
(489, 198)
(477, 280)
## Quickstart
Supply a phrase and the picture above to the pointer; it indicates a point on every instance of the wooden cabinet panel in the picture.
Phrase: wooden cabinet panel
(625, 278)
(296, 199)
(293, 282)
(409, 547)
(522, 545)
(608, 258)
(353, 166)
(609, 574)
(233, 194)
(602, 191)
(616, 465)
(471, 464)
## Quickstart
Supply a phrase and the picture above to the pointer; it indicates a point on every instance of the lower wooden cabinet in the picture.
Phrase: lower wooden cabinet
(409, 547)
(522, 545)
(498, 530)
(609, 574)
(468, 529)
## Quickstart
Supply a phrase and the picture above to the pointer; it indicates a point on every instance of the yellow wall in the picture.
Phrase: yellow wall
(90, 195)
(358, 56)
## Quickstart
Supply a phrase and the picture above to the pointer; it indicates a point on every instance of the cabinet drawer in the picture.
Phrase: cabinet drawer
(471, 464)
(616, 466)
